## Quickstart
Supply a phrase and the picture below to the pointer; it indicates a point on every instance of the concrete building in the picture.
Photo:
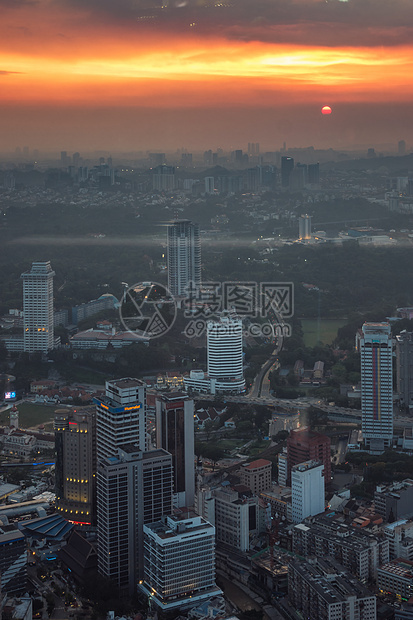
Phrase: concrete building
(257, 475)
(235, 515)
(179, 563)
(322, 588)
(13, 560)
(75, 472)
(404, 368)
(396, 577)
(163, 178)
(133, 488)
(283, 468)
(90, 308)
(224, 358)
(38, 332)
(287, 166)
(175, 434)
(359, 552)
(304, 227)
(307, 490)
(121, 417)
(303, 444)
(400, 535)
(394, 501)
(184, 257)
(376, 386)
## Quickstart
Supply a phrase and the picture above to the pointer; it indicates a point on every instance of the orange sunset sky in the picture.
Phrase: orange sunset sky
(146, 74)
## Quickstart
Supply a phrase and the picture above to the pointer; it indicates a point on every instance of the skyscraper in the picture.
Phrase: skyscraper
(303, 444)
(304, 227)
(121, 417)
(179, 563)
(224, 358)
(133, 488)
(175, 433)
(376, 386)
(404, 368)
(38, 308)
(287, 166)
(184, 257)
(307, 490)
(75, 473)
(224, 349)
(163, 178)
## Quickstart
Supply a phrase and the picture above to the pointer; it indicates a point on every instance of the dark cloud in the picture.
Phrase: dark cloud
(8, 72)
(320, 22)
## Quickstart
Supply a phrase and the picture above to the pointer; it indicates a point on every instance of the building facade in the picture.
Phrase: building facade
(322, 588)
(257, 475)
(306, 445)
(133, 488)
(359, 552)
(175, 434)
(307, 490)
(121, 417)
(13, 560)
(75, 472)
(224, 358)
(179, 563)
(38, 332)
(376, 386)
(184, 257)
(404, 368)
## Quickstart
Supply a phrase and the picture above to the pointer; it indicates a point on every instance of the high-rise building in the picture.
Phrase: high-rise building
(224, 358)
(133, 488)
(163, 178)
(304, 227)
(209, 185)
(401, 147)
(179, 563)
(313, 174)
(38, 308)
(287, 166)
(175, 434)
(376, 386)
(224, 348)
(184, 257)
(121, 417)
(75, 473)
(404, 368)
(308, 490)
(303, 444)
(13, 560)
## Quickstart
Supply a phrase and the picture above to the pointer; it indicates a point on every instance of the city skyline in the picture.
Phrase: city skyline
(133, 75)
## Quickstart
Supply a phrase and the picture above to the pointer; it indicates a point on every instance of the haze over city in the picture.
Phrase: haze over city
(152, 75)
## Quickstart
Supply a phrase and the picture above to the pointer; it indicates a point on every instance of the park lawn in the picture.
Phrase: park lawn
(31, 415)
(328, 330)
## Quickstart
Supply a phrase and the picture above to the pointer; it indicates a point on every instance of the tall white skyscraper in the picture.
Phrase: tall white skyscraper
(224, 350)
(121, 417)
(224, 358)
(184, 257)
(376, 386)
(307, 490)
(38, 308)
